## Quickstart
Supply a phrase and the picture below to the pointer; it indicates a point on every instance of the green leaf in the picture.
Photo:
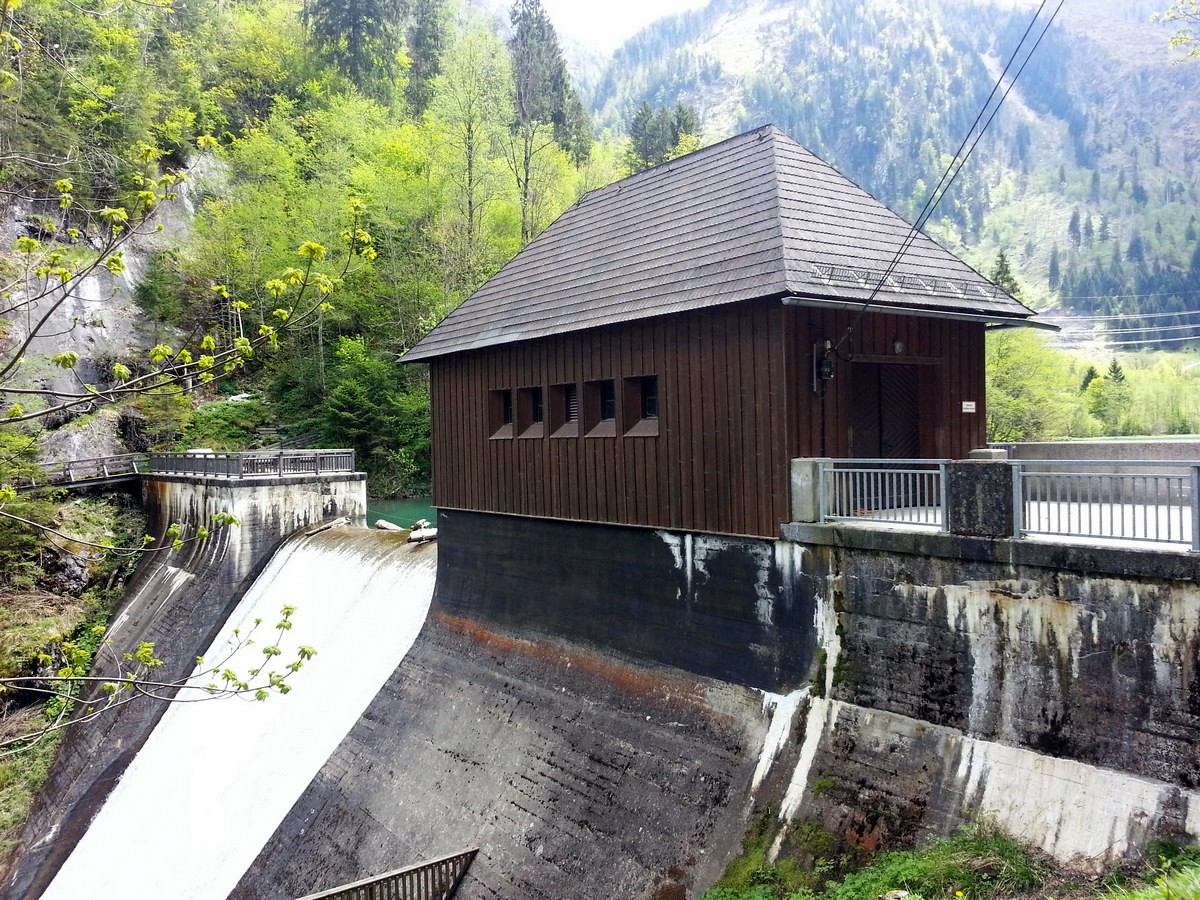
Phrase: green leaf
(68, 359)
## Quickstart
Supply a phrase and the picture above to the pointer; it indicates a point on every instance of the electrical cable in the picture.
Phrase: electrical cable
(956, 164)
(1120, 316)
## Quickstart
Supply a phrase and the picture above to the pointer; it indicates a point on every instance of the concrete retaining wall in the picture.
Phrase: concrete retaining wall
(1181, 449)
(1084, 658)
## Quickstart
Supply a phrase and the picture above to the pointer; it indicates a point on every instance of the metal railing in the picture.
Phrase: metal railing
(1108, 499)
(901, 491)
(275, 463)
(82, 471)
(434, 880)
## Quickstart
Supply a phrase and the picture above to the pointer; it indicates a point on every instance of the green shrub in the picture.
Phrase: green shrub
(980, 861)
(228, 425)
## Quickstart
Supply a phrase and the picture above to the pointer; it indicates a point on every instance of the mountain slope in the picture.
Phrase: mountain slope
(1086, 178)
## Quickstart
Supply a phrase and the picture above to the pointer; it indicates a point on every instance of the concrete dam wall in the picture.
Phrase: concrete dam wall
(1051, 687)
(577, 773)
(178, 600)
(603, 711)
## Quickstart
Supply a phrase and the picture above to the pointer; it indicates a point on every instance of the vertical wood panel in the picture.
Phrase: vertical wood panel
(735, 405)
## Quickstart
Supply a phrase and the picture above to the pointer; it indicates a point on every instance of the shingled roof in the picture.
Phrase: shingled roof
(754, 216)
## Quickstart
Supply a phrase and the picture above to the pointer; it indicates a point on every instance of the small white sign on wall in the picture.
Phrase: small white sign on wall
(968, 406)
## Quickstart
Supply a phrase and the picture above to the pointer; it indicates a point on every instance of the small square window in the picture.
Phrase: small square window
(531, 413)
(500, 414)
(640, 403)
(600, 408)
(564, 410)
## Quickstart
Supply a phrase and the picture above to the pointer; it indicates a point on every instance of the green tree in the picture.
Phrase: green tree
(1186, 14)
(656, 136)
(546, 109)
(361, 37)
(470, 111)
(1002, 275)
(426, 44)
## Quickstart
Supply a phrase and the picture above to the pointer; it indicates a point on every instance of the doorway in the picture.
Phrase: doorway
(885, 421)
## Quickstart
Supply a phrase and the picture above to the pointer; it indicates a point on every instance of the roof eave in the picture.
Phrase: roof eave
(888, 307)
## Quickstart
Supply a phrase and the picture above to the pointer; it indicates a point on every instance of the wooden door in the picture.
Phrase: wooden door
(885, 411)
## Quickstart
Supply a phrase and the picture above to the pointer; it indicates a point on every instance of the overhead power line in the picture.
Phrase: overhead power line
(960, 158)
(1171, 340)
(1119, 317)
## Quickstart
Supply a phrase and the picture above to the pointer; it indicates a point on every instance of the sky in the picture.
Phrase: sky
(605, 24)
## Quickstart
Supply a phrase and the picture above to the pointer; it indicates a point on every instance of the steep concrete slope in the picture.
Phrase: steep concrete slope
(576, 774)
(178, 600)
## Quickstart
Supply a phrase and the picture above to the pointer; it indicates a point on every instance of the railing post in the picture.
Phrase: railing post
(943, 493)
(807, 477)
(979, 498)
(1196, 509)
(1018, 500)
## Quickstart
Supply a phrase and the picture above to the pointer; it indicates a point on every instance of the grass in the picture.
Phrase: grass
(978, 862)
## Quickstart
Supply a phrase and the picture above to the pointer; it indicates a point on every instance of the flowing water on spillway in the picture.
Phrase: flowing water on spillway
(215, 778)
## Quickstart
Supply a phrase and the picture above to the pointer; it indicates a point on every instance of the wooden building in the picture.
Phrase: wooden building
(663, 350)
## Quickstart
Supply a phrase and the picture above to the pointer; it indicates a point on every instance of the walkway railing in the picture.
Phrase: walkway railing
(434, 880)
(88, 471)
(1108, 500)
(904, 491)
(241, 465)
(1156, 501)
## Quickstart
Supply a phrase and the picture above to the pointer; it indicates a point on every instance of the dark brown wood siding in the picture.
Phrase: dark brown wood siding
(949, 358)
(735, 405)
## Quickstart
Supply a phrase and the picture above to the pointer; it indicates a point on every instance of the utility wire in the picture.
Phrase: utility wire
(956, 164)
(1120, 316)
(1133, 296)
(1170, 340)
(1151, 329)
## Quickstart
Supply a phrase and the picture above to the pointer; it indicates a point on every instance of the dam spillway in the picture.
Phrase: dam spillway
(214, 778)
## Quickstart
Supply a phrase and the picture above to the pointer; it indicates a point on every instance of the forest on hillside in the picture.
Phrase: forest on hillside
(1087, 179)
(413, 147)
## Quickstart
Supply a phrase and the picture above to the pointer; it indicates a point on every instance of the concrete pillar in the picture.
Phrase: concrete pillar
(979, 498)
(806, 489)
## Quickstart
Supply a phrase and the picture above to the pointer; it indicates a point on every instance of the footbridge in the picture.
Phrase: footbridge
(103, 471)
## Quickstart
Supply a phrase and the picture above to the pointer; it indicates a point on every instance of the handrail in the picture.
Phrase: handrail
(436, 879)
(98, 468)
(1158, 501)
(252, 463)
(899, 491)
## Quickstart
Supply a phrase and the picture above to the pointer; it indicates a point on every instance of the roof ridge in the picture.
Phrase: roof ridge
(775, 134)
(662, 168)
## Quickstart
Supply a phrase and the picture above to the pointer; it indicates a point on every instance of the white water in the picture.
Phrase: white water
(215, 778)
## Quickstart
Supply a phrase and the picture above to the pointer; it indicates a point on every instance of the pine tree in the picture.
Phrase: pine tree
(1105, 230)
(1073, 233)
(546, 108)
(426, 42)
(1002, 275)
(1136, 251)
(1115, 373)
(360, 37)
(1089, 233)
(1053, 275)
(1190, 234)
(658, 135)
(1089, 376)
